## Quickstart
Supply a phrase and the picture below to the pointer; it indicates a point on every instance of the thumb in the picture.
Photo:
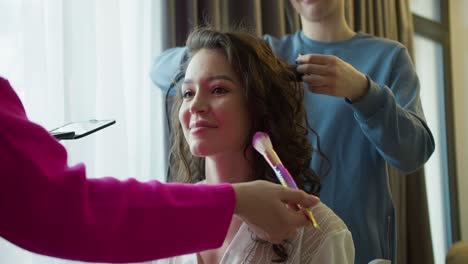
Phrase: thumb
(291, 196)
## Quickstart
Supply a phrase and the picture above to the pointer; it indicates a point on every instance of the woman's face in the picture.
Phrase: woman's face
(213, 113)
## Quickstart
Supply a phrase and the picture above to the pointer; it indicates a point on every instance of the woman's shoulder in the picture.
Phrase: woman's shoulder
(327, 220)
(332, 228)
(332, 239)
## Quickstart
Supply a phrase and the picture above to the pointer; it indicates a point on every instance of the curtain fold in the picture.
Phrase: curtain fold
(274, 17)
(390, 19)
(77, 60)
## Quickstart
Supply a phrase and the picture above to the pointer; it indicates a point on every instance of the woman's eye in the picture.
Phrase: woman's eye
(187, 94)
(219, 90)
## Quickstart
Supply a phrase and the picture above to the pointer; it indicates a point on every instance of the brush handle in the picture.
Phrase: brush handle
(283, 173)
(310, 216)
(287, 180)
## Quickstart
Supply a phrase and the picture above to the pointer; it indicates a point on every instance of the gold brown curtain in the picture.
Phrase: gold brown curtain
(274, 17)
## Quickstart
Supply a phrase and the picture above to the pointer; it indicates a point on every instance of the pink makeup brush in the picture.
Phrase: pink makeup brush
(262, 143)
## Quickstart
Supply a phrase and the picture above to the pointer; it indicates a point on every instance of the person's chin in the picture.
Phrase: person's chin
(199, 151)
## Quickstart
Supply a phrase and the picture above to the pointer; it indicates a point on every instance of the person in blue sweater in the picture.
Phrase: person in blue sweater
(364, 104)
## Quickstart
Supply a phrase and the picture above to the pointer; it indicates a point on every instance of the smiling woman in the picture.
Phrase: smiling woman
(233, 87)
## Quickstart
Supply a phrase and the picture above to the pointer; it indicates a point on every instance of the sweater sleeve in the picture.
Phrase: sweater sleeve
(50, 208)
(392, 117)
(166, 66)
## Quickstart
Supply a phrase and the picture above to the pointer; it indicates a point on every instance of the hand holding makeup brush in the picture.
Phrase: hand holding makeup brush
(268, 217)
(262, 143)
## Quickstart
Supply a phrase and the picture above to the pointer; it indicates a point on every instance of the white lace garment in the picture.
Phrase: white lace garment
(333, 244)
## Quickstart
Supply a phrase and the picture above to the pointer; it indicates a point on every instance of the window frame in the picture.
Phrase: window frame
(440, 33)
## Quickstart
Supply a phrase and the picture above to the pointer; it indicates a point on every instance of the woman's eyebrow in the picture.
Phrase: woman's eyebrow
(212, 78)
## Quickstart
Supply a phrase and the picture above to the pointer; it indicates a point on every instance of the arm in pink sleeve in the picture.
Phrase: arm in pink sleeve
(52, 209)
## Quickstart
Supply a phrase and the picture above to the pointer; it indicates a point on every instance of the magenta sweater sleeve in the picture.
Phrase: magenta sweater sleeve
(49, 208)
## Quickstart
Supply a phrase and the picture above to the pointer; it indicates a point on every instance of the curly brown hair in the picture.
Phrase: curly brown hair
(275, 105)
(275, 102)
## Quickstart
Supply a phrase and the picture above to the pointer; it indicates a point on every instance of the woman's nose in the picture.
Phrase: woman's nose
(198, 104)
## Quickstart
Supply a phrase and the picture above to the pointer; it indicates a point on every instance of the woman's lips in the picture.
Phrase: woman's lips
(199, 126)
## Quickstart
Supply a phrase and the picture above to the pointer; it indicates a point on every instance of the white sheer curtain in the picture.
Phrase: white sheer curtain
(73, 60)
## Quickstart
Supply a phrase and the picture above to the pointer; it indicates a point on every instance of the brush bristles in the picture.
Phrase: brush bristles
(261, 142)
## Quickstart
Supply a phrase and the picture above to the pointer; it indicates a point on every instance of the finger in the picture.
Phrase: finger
(292, 233)
(260, 233)
(313, 59)
(298, 197)
(314, 80)
(320, 90)
(293, 206)
(297, 219)
(312, 69)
